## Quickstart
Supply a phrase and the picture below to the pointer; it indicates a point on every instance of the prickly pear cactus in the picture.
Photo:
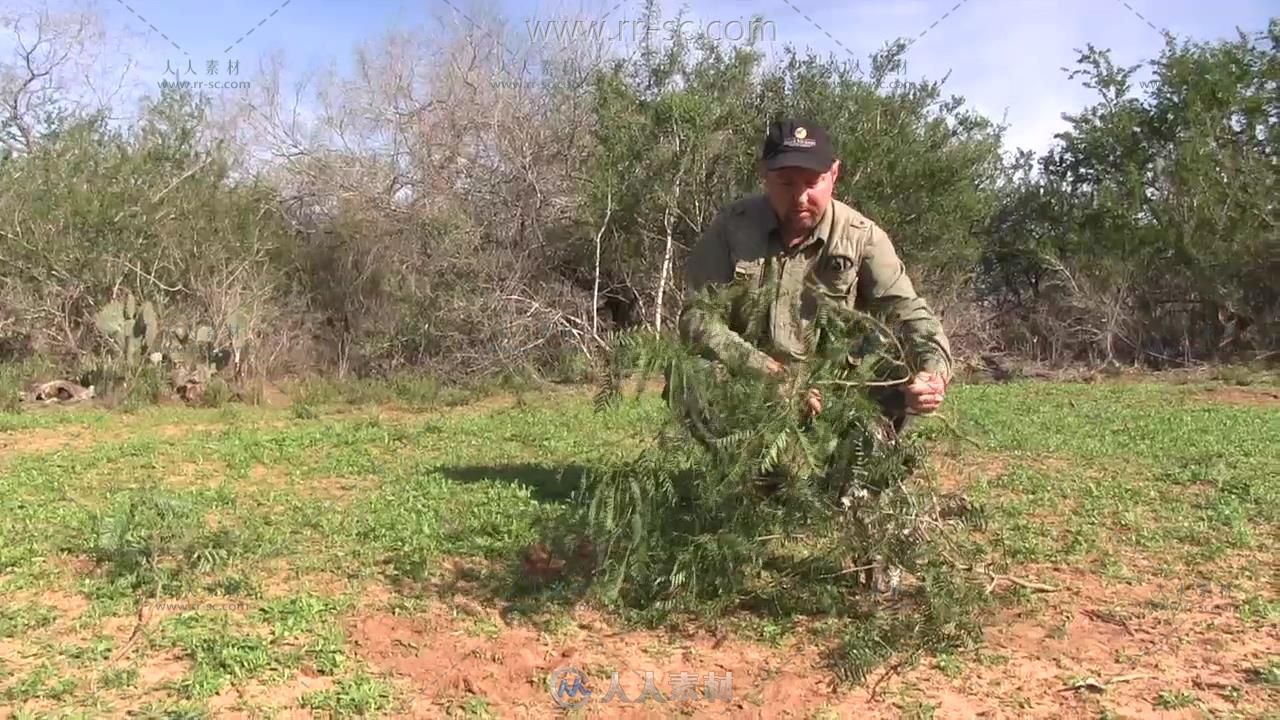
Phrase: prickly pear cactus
(136, 332)
(191, 345)
(133, 328)
(238, 327)
(146, 326)
(202, 345)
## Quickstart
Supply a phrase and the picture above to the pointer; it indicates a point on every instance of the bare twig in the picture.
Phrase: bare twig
(1097, 685)
(996, 578)
(138, 627)
(848, 571)
(595, 294)
(863, 383)
(890, 671)
(151, 277)
(1110, 619)
(950, 424)
(1038, 587)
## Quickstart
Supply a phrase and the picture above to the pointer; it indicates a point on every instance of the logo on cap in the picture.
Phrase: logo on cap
(799, 139)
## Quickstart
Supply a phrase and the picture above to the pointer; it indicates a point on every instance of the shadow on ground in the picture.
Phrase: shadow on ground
(548, 483)
(541, 580)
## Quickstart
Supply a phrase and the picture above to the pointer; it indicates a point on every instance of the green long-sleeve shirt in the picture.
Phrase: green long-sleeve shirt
(846, 257)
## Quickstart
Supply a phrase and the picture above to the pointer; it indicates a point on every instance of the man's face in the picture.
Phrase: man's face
(799, 196)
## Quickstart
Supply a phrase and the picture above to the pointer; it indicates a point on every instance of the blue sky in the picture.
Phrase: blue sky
(1003, 56)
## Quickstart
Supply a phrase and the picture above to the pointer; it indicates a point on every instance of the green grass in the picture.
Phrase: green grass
(1126, 470)
(262, 530)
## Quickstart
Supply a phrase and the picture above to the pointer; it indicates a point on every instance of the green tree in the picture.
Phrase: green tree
(1150, 229)
(677, 135)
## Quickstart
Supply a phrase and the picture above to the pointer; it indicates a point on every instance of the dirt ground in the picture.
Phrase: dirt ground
(1256, 396)
(1072, 654)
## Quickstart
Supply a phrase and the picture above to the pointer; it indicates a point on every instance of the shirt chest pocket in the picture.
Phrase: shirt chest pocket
(748, 270)
(836, 274)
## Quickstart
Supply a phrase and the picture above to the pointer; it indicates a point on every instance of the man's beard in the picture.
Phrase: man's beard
(797, 221)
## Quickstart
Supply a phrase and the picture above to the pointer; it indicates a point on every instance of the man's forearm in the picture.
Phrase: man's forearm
(926, 339)
(707, 332)
(888, 292)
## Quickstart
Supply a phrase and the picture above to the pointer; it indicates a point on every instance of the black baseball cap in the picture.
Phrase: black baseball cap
(797, 142)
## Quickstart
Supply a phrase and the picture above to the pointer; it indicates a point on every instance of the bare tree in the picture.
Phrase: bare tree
(436, 183)
(52, 63)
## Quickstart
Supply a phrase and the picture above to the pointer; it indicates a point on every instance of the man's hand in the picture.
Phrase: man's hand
(926, 392)
(814, 401)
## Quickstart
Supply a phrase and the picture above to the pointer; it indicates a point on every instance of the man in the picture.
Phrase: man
(816, 244)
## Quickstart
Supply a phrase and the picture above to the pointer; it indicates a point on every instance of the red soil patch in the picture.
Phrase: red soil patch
(156, 671)
(954, 474)
(43, 440)
(261, 476)
(46, 440)
(68, 605)
(182, 430)
(1248, 396)
(1156, 638)
(274, 396)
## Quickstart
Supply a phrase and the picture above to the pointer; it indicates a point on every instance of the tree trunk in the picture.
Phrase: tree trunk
(595, 292)
(662, 278)
(666, 259)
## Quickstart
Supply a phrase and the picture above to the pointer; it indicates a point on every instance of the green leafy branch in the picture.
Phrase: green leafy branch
(705, 520)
